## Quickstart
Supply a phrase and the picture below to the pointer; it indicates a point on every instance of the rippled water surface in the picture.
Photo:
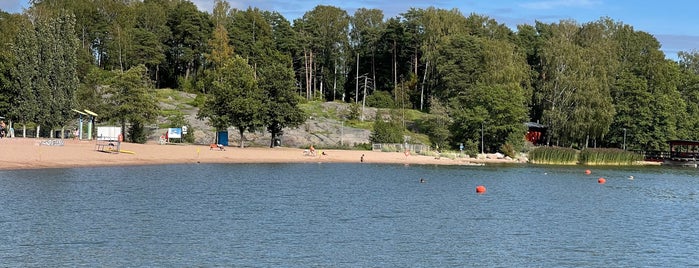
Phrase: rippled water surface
(349, 215)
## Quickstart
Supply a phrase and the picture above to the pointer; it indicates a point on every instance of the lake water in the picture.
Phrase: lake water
(349, 215)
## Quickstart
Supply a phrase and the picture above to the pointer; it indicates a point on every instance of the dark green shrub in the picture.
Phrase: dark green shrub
(386, 131)
(380, 99)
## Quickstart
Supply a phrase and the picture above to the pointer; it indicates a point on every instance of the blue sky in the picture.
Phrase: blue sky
(673, 22)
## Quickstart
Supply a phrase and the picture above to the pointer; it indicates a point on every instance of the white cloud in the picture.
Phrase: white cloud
(560, 4)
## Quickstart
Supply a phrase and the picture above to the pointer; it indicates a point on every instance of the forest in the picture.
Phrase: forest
(591, 84)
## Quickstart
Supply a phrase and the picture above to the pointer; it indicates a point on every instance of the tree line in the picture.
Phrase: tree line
(593, 84)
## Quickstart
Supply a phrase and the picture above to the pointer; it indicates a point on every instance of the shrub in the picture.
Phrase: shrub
(354, 111)
(508, 149)
(390, 131)
(380, 99)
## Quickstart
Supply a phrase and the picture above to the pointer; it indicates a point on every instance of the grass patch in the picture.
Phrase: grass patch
(606, 156)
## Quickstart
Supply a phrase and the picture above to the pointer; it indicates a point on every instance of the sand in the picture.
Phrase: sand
(28, 153)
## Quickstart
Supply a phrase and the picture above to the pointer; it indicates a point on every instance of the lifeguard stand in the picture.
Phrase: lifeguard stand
(108, 137)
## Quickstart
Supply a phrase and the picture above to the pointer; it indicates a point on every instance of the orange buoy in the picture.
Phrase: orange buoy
(480, 189)
(601, 180)
(588, 172)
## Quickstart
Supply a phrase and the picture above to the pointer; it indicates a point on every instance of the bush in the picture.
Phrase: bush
(380, 99)
(354, 111)
(138, 133)
(471, 148)
(363, 146)
(508, 149)
(390, 131)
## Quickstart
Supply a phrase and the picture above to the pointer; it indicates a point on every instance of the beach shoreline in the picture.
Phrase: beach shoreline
(31, 153)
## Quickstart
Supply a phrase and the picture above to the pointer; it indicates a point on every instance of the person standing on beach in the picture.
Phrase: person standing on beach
(361, 159)
(3, 126)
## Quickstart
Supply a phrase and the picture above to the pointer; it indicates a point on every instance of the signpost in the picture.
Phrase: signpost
(174, 133)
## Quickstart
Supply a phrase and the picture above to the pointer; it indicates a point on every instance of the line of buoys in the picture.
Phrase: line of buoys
(588, 172)
(601, 180)
(480, 189)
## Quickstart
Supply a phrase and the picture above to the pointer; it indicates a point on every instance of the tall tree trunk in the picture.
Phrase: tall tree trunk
(356, 83)
(335, 82)
(395, 71)
(157, 79)
(121, 62)
(422, 87)
(242, 137)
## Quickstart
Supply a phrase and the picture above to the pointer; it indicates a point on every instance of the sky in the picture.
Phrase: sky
(673, 22)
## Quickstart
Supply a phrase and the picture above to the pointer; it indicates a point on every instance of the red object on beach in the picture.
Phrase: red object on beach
(480, 189)
(601, 180)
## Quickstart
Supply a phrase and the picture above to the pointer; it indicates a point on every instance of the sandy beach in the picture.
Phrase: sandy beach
(29, 153)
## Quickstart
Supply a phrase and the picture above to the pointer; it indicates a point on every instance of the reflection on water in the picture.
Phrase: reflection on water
(348, 215)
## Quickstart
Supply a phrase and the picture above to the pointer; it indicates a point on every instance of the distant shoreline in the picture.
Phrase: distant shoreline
(28, 153)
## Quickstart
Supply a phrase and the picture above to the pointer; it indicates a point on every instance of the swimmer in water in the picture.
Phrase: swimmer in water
(422, 180)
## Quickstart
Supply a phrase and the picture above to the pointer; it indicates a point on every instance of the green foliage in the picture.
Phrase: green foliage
(553, 155)
(363, 146)
(380, 99)
(509, 150)
(46, 78)
(471, 147)
(132, 100)
(354, 111)
(235, 98)
(606, 156)
(280, 102)
(598, 83)
(436, 124)
(387, 131)
(138, 133)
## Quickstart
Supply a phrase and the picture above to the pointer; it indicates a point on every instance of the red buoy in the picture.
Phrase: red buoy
(480, 189)
(588, 172)
(601, 180)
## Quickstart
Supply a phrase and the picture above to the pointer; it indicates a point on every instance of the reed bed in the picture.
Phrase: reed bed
(553, 156)
(607, 156)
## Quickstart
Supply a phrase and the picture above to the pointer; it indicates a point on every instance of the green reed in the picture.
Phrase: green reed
(607, 156)
(554, 156)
